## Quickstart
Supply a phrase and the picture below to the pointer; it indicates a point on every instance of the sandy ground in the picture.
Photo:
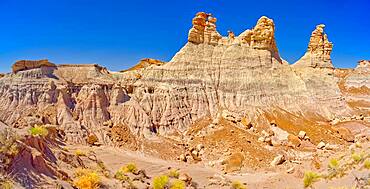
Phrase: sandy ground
(114, 158)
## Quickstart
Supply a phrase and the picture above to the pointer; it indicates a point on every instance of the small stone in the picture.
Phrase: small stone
(278, 160)
(200, 147)
(321, 145)
(182, 157)
(301, 135)
(290, 170)
(261, 139)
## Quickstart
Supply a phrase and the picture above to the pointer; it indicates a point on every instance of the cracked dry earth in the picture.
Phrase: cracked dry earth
(224, 112)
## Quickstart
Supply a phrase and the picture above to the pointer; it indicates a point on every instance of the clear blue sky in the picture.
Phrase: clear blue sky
(117, 33)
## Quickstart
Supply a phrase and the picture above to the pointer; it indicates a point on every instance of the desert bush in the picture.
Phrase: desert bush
(367, 164)
(6, 184)
(160, 182)
(39, 130)
(173, 173)
(356, 157)
(131, 168)
(9, 147)
(309, 178)
(178, 184)
(333, 164)
(79, 152)
(237, 185)
(121, 175)
(86, 179)
(91, 139)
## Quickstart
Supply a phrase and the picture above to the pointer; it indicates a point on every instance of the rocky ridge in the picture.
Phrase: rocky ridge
(217, 93)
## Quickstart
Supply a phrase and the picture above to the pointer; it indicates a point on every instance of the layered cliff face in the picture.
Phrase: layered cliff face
(242, 74)
(29, 64)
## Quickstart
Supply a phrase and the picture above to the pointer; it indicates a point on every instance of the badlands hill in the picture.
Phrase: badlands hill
(223, 109)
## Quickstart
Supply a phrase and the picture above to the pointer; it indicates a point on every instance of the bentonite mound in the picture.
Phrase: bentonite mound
(236, 89)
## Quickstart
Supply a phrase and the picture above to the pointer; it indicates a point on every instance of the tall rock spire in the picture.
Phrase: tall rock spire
(204, 29)
(318, 51)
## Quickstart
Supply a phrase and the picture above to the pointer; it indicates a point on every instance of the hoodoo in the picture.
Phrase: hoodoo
(318, 51)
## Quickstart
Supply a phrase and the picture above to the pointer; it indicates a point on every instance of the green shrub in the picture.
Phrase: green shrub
(178, 184)
(237, 185)
(160, 182)
(309, 178)
(38, 131)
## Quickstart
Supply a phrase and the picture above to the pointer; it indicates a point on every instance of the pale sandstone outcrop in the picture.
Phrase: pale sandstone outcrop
(31, 64)
(363, 65)
(145, 63)
(204, 29)
(262, 36)
(318, 51)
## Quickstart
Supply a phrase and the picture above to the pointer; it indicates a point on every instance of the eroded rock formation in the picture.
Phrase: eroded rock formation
(318, 51)
(204, 29)
(242, 74)
(31, 64)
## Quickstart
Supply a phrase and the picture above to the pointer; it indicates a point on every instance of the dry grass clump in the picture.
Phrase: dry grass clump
(38, 130)
(79, 152)
(160, 182)
(9, 147)
(333, 163)
(357, 157)
(178, 184)
(129, 168)
(367, 164)
(237, 185)
(6, 183)
(173, 173)
(86, 179)
(310, 178)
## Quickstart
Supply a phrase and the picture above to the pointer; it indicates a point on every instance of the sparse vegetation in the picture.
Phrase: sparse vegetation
(9, 147)
(86, 179)
(160, 182)
(333, 163)
(237, 185)
(173, 173)
(367, 164)
(356, 157)
(309, 178)
(178, 184)
(130, 167)
(39, 130)
(6, 184)
(79, 152)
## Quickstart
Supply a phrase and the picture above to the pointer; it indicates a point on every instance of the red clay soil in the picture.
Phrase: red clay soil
(317, 129)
